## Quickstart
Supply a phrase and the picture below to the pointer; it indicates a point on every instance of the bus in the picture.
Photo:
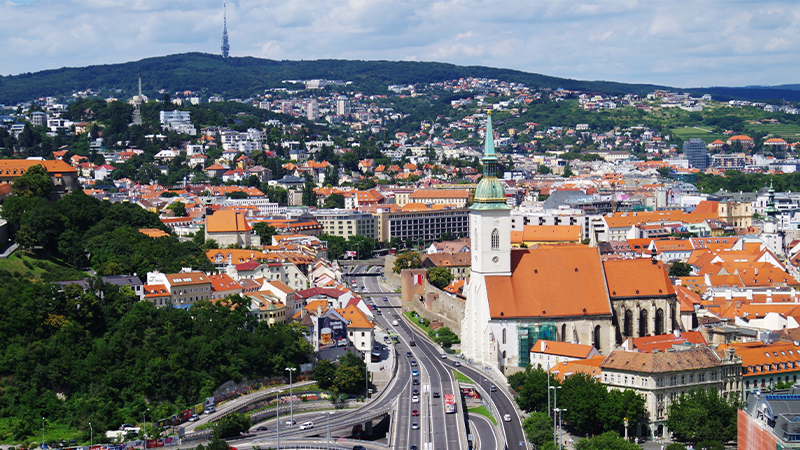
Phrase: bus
(449, 404)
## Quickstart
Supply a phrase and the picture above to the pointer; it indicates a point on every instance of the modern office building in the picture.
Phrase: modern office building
(695, 151)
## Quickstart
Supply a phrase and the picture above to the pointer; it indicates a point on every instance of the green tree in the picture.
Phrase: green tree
(531, 387)
(178, 208)
(406, 260)
(538, 428)
(325, 373)
(237, 195)
(664, 171)
(34, 183)
(606, 441)
(265, 231)
(362, 245)
(702, 415)
(583, 397)
(309, 197)
(680, 269)
(543, 170)
(440, 277)
(676, 446)
(617, 406)
(350, 374)
(231, 425)
(568, 171)
(276, 194)
(337, 245)
(334, 201)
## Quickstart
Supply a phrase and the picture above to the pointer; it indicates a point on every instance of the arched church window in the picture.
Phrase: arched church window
(495, 239)
(504, 335)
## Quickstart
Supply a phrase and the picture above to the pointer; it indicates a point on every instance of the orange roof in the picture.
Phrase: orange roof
(153, 232)
(155, 290)
(740, 137)
(415, 207)
(637, 278)
(770, 140)
(758, 358)
(223, 282)
(281, 286)
(562, 349)
(688, 298)
(187, 278)
(439, 193)
(707, 206)
(664, 341)
(589, 366)
(551, 233)
(227, 221)
(18, 166)
(355, 317)
(571, 273)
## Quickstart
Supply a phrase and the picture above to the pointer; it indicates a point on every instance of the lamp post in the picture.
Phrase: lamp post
(43, 431)
(490, 389)
(291, 396)
(91, 436)
(548, 389)
(559, 426)
(366, 380)
(328, 420)
(555, 408)
(144, 427)
(278, 416)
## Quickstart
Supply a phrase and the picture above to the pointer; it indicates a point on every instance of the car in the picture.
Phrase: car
(456, 364)
(378, 312)
(435, 394)
(129, 427)
(412, 343)
(261, 428)
(414, 412)
(415, 399)
(443, 356)
(306, 425)
(415, 426)
(493, 388)
(409, 354)
(359, 447)
(413, 363)
(394, 323)
(289, 423)
(413, 447)
(415, 373)
(415, 392)
(386, 299)
(415, 382)
(507, 418)
(72, 442)
(194, 418)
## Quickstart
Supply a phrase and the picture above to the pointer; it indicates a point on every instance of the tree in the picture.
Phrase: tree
(406, 260)
(617, 406)
(702, 415)
(237, 195)
(276, 194)
(582, 396)
(309, 197)
(664, 171)
(350, 374)
(440, 276)
(231, 425)
(265, 231)
(568, 171)
(34, 183)
(680, 269)
(324, 374)
(178, 208)
(543, 170)
(362, 245)
(334, 201)
(337, 245)
(531, 386)
(606, 441)
(538, 428)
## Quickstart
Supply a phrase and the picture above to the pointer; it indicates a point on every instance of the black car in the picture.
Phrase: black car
(413, 363)
(415, 382)
(412, 343)
(415, 392)
(435, 394)
(359, 447)
(409, 354)
(262, 428)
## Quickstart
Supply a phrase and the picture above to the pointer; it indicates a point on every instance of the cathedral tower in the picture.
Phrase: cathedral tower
(490, 231)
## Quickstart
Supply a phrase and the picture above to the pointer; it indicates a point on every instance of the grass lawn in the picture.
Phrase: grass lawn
(415, 321)
(461, 377)
(784, 130)
(484, 412)
(687, 133)
(36, 268)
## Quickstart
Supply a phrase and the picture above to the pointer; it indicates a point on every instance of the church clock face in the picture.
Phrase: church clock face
(496, 222)
(495, 259)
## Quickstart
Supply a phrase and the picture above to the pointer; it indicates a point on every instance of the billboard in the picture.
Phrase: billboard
(331, 330)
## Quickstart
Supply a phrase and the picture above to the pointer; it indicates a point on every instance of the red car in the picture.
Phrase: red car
(414, 412)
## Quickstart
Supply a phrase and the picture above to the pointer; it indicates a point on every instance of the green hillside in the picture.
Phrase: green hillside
(243, 77)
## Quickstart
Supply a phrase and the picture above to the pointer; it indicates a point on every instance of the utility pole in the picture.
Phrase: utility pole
(548, 389)
(291, 396)
(555, 408)
(278, 416)
(42, 431)
(91, 436)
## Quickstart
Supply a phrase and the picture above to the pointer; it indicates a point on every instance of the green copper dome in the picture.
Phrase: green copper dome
(490, 193)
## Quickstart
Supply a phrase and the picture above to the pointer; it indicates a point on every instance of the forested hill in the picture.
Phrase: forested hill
(243, 77)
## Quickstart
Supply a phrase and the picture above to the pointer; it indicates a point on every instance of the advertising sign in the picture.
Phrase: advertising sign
(331, 330)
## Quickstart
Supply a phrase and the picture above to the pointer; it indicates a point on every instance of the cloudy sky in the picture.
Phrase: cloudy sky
(682, 43)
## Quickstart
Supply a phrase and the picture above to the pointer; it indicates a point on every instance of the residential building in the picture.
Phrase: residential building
(550, 353)
(661, 377)
(267, 307)
(222, 286)
(185, 288)
(285, 294)
(764, 365)
(64, 178)
(457, 263)
(360, 330)
(229, 227)
(426, 225)
(346, 223)
(453, 197)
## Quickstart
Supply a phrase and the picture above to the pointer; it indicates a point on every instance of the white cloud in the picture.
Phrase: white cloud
(681, 42)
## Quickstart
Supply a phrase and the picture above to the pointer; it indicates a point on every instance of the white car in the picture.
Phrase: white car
(444, 356)
(415, 399)
(394, 323)
(194, 418)
(306, 425)
(507, 418)
(415, 426)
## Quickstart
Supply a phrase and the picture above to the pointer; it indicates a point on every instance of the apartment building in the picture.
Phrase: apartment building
(345, 223)
(427, 225)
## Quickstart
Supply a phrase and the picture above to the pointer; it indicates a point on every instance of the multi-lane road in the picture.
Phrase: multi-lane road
(439, 372)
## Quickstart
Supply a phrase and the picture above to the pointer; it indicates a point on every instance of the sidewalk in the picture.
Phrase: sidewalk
(383, 370)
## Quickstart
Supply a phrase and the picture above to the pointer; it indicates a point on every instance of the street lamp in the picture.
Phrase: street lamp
(278, 416)
(42, 431)
(490, 388)
(559, 426)
(366, 380)
(328, 419)
(548, 388)
(291, 396)
(555, 408)
(91, 436)
(144, 427)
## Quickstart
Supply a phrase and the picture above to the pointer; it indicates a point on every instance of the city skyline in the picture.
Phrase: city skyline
(680, 44)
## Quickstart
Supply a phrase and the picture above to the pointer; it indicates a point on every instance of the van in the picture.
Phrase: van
(394, 323)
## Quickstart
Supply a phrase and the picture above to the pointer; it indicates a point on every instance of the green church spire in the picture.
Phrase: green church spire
(490, 193)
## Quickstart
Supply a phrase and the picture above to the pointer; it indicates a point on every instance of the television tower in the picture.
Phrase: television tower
(137, 104)
(225, 46)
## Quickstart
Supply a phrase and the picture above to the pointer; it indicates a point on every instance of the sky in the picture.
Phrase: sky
(680, 43)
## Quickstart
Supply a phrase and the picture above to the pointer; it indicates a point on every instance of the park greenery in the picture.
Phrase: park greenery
(337, 246)
(703, 415)
(345, 377)
(590, 406)
(102, 356)
(440, 277)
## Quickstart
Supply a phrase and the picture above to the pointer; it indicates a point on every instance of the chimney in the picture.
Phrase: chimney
(653, 255)
(677, 333)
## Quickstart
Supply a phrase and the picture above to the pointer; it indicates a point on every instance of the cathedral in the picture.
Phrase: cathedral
(552, 292)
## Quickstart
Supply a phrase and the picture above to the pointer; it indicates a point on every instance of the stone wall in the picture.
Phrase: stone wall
(430, 302)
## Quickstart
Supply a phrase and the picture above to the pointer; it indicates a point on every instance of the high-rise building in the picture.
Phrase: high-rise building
(313, 110)
(225, 45)
(343, 106)
(695, 151)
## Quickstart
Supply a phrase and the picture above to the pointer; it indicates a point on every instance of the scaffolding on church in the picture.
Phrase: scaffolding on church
(528, 334)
